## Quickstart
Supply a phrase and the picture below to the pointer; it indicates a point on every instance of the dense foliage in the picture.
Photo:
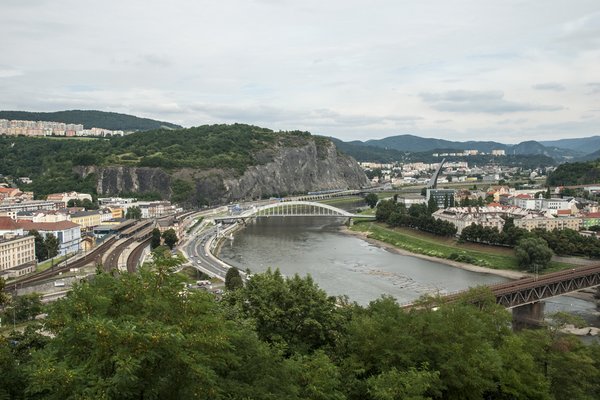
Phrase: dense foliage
(418, 216)
(578, 173)
(91, 119)
(45, 247)
(533, 254)
(50, 162)
(139, 336)
(564, 242)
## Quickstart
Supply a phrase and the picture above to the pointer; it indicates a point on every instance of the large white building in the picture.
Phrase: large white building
(490, 217)
(17, 255)
(68, 233)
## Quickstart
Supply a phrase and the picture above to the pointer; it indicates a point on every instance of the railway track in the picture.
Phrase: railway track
(136, 254)
(112, 260)
(94, 256)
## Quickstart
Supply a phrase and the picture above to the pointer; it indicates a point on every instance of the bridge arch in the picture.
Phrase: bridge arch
(298, 208)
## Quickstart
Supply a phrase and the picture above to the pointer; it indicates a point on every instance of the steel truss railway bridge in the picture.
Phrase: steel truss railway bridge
(524, 296)
(293, 209)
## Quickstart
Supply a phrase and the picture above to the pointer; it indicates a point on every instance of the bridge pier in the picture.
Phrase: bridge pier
(350, 222)
(528, 316)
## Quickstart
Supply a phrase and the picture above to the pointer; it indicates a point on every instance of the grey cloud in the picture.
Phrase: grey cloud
(318, 117)
(582, 34)
(9, 72)
(510, 121)
(594, 87)
(154, 60)
(549, 86)
(488, 102)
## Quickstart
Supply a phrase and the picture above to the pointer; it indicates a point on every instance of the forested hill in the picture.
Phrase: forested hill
(578, 173)
(91, 119)
(205, 164)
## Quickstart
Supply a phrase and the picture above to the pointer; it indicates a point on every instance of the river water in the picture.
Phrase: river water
(342, 264)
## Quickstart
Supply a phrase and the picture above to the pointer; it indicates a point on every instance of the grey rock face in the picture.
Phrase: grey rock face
(297, 170)
(289, 170)
(114, 180)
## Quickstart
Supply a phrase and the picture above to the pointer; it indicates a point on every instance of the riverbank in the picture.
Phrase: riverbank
(391, 241)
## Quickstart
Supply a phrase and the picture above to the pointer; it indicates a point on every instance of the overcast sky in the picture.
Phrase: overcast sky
(496, 70)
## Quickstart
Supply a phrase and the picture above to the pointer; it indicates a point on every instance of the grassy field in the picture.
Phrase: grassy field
(47, 264)
(341, 200)
(448, 248)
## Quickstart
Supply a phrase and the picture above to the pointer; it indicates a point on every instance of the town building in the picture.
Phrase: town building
(68, 233)
(591, 219)
(443, 197)
(10, 195)
(42, 216)
(34, 205)
(66, 196)
(491, 216)
(17, 255)
(87, 219)
(548, 222)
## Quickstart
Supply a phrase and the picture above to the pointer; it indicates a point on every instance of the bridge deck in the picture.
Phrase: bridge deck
(531, 290)
(295, 209)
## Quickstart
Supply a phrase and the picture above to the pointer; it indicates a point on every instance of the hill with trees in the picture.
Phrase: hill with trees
(405, 144)
(577, 173)
(92, 118)
(177, 163)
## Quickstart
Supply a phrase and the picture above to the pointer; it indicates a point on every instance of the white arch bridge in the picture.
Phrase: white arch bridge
(293, 209)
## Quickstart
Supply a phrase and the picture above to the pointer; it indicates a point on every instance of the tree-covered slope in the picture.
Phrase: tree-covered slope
(91, 119)
(361, 152)
(578, 173)
(584, 145)
(231, 149)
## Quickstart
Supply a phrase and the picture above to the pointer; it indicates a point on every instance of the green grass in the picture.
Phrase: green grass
(420, 243)
(339, 200)
(47, 264)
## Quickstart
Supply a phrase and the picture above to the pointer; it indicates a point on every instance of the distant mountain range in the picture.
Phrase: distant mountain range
(393, 146)
(92, 118)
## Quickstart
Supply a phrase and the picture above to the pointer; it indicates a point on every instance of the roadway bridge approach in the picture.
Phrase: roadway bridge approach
(296, 208)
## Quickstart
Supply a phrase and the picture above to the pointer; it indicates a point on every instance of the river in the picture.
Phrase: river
(342, 264)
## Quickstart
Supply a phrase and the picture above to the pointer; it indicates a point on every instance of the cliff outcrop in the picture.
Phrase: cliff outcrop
(280, 171)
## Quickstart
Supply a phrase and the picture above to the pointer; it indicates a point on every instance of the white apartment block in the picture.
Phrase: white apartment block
(15, 251)
(549, 223)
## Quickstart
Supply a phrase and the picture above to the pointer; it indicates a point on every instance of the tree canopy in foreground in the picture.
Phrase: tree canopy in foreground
(143, 336)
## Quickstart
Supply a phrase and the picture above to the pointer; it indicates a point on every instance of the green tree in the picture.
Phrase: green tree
(533, 254)
(384, 209)
(137, 336)
(155, 241)
(403, 385)
(290, 312)
(40, 250)
(170, 238)
(4, 297)
(233, 280)
(431, 205)
(24, 307)
(134, 213)
(371, 199)
(51, 245)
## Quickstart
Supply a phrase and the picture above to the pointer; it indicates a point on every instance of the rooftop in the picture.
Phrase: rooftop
(47, 226)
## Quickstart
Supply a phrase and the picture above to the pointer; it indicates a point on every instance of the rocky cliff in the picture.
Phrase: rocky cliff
(281, 171)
